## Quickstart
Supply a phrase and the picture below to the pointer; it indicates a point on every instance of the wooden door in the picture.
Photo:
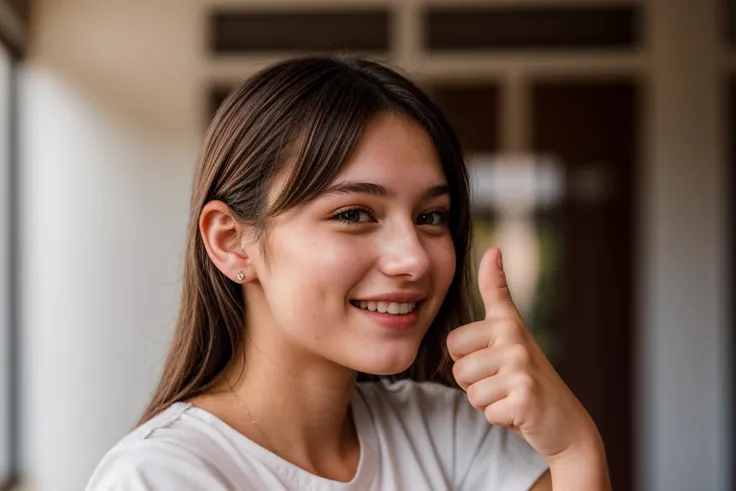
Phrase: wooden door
(592, 128)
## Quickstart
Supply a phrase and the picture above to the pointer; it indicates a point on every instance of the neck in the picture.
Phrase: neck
(300, 406)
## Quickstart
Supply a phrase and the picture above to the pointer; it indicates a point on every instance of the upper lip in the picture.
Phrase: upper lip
(398, 297)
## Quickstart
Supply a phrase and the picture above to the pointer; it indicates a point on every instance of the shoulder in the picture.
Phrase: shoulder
(170, 451)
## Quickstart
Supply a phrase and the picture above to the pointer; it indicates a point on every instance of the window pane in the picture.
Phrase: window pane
(5, 359)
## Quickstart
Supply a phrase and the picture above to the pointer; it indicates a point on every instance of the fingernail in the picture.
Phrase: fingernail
(499, 260)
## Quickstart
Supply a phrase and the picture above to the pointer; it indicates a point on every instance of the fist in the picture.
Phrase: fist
(508, 378)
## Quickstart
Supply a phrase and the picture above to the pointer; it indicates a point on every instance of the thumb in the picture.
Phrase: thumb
(494, 290)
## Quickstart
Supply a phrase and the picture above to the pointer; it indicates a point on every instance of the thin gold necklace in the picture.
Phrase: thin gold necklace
(242, 404)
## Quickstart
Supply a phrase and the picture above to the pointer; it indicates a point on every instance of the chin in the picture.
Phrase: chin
(385, 363)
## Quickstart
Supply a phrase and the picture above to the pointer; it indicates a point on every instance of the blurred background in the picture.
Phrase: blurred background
(600, 134)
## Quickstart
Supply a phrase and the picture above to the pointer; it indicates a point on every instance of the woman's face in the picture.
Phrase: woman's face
(357, 275)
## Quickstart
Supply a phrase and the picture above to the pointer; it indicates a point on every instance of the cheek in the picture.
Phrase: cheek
(310, 284)
(318, 272)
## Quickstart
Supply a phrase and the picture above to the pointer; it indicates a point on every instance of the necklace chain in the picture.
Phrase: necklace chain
(242, 404)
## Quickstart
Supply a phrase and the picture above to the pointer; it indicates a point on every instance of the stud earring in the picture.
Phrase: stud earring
(241, 276)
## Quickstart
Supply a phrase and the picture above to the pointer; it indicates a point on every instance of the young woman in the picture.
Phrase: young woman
(325, 296)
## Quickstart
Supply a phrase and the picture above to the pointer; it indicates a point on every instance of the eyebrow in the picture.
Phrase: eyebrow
(350, 187)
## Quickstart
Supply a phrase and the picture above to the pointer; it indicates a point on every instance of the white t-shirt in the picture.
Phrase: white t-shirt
(413, 436)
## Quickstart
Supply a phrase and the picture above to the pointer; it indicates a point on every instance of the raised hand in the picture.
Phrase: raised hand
(508, 378)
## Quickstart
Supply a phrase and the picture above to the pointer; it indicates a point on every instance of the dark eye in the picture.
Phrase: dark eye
(355, 215)
(438, 217)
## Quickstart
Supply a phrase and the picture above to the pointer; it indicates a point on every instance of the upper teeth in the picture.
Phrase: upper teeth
(388, 307)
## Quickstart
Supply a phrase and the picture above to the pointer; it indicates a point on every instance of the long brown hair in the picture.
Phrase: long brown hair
(301, 117)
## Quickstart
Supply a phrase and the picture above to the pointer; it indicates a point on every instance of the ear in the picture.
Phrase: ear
(223, 238)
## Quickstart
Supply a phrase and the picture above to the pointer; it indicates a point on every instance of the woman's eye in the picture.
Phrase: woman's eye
(432, 218)
(353, 216)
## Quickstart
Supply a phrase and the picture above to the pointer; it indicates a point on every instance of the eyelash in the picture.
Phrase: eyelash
(443, 215)
(339, 213)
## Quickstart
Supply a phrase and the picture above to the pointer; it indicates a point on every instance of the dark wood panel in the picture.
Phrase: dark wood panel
(244, 31)
(730, 23)
(472, 109)
(527, 27)
(592, 128)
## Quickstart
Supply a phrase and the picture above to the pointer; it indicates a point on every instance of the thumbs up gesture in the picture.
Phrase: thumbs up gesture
(508, 378)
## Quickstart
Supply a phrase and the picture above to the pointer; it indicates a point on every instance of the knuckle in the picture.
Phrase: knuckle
(524, 402)
(496, 417)
(526, 385)
(452, 341)
(459, 371)
(490, 414)
(474, 396)
(452, 336)
(518, 355)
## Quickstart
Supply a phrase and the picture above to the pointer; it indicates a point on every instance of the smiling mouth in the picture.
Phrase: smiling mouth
(392, 308)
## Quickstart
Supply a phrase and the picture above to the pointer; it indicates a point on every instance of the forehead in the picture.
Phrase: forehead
(395, 150)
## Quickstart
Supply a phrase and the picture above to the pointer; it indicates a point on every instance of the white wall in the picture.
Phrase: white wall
(110, 135)
(112, 120)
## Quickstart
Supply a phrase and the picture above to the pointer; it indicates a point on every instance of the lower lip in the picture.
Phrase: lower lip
(400, 322)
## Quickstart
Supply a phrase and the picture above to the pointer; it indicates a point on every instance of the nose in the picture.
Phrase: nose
(403, 254)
